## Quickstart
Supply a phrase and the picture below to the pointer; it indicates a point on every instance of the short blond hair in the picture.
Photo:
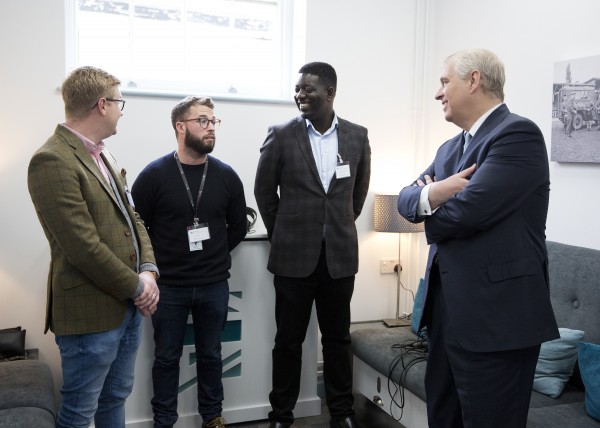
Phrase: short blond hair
(82, 89)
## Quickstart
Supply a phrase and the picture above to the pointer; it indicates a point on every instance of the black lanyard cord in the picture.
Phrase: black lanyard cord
(187, 186)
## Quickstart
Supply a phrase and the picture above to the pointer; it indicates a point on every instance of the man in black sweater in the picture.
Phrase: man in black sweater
(195, 210)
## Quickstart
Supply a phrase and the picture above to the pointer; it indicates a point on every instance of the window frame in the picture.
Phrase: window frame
(292, 57)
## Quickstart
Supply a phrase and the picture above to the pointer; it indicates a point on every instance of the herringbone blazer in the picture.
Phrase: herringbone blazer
(93, 268)
(294, 205)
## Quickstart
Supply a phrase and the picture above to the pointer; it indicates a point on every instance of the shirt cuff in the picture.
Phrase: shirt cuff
(146, 267)
(424, 209)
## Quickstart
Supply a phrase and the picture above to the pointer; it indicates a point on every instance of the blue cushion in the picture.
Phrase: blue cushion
(556, 361)
(589, 366)
(417, 312)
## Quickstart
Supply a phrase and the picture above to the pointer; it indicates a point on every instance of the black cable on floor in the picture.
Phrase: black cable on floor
(417, 350)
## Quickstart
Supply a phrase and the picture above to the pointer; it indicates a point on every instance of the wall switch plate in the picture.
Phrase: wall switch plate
(387, 265)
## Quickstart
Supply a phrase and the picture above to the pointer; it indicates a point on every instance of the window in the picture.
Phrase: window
(222, 48)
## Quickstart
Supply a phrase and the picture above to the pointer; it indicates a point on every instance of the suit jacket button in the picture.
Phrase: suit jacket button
(132, 256)
(127, 232)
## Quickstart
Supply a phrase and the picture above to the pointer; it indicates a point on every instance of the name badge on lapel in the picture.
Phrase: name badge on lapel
(342, 170)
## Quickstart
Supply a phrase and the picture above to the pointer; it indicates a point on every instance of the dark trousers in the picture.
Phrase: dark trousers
(294, 298)
(208, 305)
(472, 389)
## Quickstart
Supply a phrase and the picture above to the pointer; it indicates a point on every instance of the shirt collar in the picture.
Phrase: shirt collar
(332, 128)
(93, 149)
(482, 119)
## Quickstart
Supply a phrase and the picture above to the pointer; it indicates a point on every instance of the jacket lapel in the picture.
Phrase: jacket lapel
(487, 126)
(343, 143)
(305, 148)
(456, 158)
(86, 159)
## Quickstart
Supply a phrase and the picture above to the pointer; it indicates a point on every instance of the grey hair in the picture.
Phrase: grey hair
(486, 62)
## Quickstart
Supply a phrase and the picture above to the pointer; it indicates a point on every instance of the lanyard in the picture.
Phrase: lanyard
(187, 186)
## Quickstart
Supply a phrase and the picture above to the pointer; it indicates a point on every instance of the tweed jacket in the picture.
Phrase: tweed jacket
(93, 268)
(295, 207)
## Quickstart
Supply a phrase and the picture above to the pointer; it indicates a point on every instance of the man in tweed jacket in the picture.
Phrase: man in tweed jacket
(102, 273)
(311, 184)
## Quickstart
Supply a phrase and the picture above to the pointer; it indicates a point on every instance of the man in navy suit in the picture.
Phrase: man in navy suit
(484, 204)
(311, 183)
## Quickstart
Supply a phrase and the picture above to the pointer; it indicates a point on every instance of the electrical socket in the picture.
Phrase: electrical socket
(387, 265)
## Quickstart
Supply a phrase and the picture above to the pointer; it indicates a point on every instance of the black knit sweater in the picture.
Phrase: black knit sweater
(162, 202)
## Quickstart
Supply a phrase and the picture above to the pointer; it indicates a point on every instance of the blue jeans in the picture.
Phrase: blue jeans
(98, 374)
(208, 305)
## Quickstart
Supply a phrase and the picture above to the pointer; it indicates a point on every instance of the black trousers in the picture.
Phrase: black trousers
(472, 389)
(294, 299)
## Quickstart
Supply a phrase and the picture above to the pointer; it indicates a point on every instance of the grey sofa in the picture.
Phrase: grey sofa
(26, 395)
(575, 294)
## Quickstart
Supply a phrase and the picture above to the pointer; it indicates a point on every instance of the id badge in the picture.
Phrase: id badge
(196, 234)
(342, 170)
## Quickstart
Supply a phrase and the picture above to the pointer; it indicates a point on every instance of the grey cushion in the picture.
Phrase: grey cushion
(26, 384)
(575, 288)
(26, 417)
(375, 347)
(570, 395)
(562, 416)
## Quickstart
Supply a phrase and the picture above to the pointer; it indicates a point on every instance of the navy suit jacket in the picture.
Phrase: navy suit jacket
(490, 237)
(295, 207)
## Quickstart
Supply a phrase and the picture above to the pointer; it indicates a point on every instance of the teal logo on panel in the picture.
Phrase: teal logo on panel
(232, 359)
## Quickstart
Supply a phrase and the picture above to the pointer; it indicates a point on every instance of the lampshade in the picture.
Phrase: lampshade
(387, 218)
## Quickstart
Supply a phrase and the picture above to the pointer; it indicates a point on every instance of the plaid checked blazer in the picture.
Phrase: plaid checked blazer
(294, 206)
(93, 267)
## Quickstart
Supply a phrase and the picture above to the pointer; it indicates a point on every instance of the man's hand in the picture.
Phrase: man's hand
(441, 191)
(147, 301)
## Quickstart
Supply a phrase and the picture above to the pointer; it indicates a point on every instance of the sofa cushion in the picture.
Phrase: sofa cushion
(589, 366)
(396, 353)
(556, 361)
(574, 290)
(26, 417)
(562, 416)
(26, 384)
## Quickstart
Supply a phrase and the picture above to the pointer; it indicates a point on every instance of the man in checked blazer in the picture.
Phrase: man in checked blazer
(102, 272)
(311, 183)
(484, 203)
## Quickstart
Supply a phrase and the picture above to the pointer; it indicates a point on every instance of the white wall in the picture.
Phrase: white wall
(371, 51)
(529, 36)
(387, 54)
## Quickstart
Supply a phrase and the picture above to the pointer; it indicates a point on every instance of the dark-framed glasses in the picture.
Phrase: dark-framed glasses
(121, 101)
(204, 121)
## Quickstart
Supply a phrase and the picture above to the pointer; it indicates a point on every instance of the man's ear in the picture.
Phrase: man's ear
(474, 80)
(330, 93)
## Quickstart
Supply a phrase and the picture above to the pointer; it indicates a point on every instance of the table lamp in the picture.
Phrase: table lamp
(387, 219)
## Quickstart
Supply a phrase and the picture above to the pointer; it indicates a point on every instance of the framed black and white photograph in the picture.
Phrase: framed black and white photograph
(576, 111)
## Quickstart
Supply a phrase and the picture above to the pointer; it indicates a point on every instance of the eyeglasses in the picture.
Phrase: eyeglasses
(204, 121)
(122, 101)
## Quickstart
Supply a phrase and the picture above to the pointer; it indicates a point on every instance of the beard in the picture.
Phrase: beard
(199, 145)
